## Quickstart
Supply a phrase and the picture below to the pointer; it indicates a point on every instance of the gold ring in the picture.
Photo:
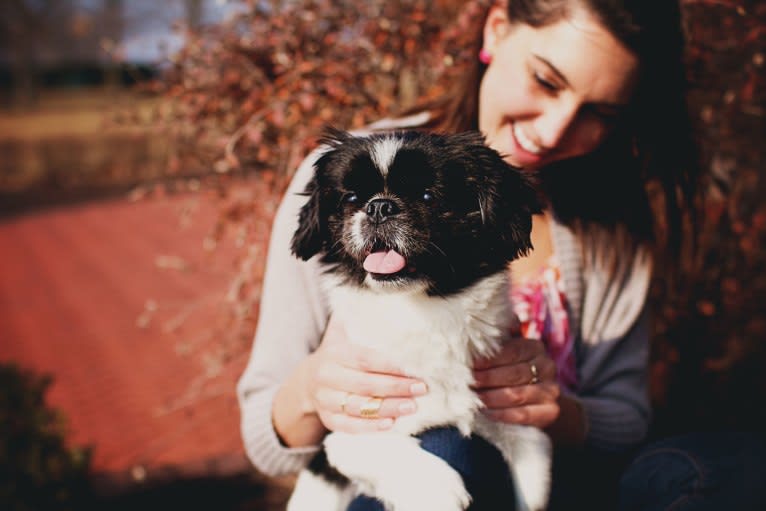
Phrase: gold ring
(535, 374)
(344, 402)
(371, 407)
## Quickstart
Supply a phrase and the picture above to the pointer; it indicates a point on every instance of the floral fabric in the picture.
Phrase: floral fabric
(540, 304)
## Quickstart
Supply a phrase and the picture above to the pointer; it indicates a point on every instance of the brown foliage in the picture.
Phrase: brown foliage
(710, 338)
(253, 92)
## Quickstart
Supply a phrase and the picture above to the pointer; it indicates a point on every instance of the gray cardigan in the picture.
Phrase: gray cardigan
(606, 294)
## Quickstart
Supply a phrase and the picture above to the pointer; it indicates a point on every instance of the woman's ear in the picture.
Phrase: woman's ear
(495, 28)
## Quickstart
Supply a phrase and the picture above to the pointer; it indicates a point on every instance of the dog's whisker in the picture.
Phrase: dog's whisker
(446, 258)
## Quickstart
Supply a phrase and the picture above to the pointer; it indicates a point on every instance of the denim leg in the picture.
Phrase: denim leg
(585, 478)
(697, 472)
(481, 466)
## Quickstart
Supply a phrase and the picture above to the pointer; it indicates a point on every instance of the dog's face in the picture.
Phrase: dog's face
(414, 210)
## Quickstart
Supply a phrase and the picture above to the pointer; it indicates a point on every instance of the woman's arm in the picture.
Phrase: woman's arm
(614, 389)
(293, 315)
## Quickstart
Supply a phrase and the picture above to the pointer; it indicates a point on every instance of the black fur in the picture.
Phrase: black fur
(321, 467)
(475, 218)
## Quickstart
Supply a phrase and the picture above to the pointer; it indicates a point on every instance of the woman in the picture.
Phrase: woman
(588, 96)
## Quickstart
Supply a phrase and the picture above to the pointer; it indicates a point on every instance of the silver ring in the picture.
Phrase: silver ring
(535, 374)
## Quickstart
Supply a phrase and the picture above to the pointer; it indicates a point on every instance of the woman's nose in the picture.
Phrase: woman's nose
(553, 124)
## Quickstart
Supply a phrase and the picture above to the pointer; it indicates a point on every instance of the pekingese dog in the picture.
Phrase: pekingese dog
(415, 232)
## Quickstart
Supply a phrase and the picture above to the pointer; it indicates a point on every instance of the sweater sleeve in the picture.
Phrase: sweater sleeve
(607, 293)
(614, 388)
(293, 315)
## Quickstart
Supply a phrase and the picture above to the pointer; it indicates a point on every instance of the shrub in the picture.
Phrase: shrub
(38, 471)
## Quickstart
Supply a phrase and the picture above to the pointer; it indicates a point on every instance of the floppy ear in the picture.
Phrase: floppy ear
(516, 202)
(507, 196)
(308, 237)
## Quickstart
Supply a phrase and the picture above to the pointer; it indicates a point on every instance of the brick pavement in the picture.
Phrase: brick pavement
(119, 302)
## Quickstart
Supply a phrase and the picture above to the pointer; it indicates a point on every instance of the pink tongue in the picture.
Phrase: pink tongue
(384, 262)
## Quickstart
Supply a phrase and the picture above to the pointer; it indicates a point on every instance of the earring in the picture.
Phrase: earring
(485, 57)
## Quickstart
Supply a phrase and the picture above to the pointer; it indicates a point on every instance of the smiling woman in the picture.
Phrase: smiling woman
(562, 105)
(587, 97)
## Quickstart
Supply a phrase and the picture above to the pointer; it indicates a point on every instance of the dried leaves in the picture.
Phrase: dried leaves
(254, 92)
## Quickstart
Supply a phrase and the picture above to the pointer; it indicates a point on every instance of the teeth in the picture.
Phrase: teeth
(524, 142)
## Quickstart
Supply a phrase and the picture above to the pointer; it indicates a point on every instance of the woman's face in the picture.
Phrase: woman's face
(554, 92)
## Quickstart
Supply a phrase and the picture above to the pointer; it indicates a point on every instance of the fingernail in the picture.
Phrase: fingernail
(407, 407)
(418, 389)
(385, 423)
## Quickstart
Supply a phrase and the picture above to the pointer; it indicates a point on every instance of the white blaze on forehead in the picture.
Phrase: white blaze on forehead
(384, 151)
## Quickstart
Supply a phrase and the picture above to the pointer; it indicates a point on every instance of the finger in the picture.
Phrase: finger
(539, 416)
(339, 402)
(363, 359)
(516, 374)
(349, 424)
(513, 351)
(368, 384)
(372, 361)
(336, 342)
(509, 397)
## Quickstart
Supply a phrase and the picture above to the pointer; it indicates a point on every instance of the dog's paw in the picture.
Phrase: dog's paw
(313, 492)
(441, 489)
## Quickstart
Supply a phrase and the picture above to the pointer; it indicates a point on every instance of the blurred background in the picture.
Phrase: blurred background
(144, 147)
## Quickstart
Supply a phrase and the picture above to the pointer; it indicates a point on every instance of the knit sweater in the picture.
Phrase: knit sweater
(606, 307)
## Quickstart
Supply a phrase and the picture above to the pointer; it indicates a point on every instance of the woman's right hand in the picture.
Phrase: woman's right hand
(344, 377)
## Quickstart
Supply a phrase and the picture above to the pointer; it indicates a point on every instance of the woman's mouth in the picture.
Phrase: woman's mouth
(525, 151)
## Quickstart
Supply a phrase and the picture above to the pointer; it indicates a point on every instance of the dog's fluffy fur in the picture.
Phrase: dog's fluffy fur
(454, 214)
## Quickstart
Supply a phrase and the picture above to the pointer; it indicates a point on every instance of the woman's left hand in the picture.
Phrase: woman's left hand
(518, 385)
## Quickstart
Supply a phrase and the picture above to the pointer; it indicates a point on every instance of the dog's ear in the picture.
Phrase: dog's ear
(514, 203)
(333, 137)
(507, 196)
(307, 239)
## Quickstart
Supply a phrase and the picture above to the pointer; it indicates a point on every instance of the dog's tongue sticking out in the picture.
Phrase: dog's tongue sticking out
(384, 262)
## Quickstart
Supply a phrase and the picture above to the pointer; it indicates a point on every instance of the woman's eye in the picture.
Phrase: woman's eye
(547, 84)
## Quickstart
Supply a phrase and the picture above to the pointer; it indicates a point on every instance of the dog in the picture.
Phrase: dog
(415, 232)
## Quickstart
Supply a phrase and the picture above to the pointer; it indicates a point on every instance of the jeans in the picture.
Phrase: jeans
(695, 472)
(482, 467)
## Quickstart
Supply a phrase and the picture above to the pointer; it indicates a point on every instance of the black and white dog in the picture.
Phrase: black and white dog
(416, 231)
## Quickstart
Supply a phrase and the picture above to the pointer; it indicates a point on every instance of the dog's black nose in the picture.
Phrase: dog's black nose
(379, 210)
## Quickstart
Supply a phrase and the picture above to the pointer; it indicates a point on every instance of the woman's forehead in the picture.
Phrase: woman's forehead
(591, 60)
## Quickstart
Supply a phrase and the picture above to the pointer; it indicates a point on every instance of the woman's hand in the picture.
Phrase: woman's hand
(518, 385)
(354, 389)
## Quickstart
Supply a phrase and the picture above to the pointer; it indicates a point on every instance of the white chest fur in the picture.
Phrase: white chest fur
(432, 338)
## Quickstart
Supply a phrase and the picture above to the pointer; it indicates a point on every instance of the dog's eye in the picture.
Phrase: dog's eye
(427, 196)
(350, 198)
